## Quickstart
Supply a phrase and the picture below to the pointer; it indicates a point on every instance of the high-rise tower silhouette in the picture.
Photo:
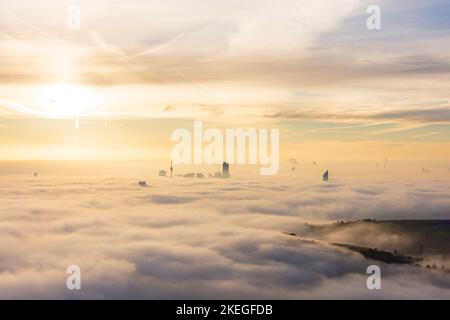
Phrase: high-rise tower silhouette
(226, 170)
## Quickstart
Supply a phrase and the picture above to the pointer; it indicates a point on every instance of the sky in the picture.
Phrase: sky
(137, 70)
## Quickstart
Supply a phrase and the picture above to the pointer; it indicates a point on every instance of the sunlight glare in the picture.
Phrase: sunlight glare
(64, 100)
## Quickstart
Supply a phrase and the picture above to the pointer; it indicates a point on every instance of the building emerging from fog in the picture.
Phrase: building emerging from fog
(162, 173)
(142, 183)
(226, 170)
(189, 175)
(325, 176)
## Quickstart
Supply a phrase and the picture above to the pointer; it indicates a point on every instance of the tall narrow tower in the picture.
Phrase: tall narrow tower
(226, 170)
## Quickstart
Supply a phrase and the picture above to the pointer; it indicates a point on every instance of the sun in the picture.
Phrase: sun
(65, 100)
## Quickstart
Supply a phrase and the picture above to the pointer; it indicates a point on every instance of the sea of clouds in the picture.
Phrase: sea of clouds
(202, 238)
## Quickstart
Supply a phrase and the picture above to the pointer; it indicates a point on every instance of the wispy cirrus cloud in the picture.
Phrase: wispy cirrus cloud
(433, 115)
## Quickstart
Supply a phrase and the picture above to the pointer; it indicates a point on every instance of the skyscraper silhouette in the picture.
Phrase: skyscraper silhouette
(325, 176)
(226, 170)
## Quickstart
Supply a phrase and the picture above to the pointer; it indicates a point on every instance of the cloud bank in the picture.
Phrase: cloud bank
(186, 238)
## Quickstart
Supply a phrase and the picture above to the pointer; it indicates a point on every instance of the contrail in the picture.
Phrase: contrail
(206, 88)
(18, 107)
(32, 26)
